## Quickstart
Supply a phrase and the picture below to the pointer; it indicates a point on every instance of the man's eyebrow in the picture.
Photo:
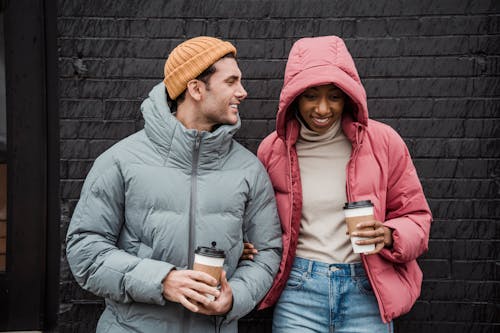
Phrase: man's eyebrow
(232, 78)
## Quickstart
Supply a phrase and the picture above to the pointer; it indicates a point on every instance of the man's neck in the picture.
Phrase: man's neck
(187, 117)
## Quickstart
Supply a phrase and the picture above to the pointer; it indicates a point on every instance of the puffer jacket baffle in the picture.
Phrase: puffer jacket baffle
(132, 223)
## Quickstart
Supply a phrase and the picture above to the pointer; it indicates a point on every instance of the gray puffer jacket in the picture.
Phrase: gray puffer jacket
(150, 200)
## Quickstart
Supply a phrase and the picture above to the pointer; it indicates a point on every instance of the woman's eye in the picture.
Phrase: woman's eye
(309, 96)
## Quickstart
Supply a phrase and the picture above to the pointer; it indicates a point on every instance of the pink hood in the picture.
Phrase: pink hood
(318, 61)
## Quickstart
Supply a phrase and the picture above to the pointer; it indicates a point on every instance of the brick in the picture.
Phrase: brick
(434, 46)
(254, 129)
(465, 107)
(262, 69)
(431, 7)
(456, 168)
(438, 249)
(485, 65)
(473, 270)
(457, 25)
(137, 89)
(373, 47)
(486, 86)
(400, 107)
(97, 147)
(122, 110)
(458, 290)
(78, 169)
(465, 229)
(165, 28)
(476, 250)
(450, 148)
(460, 188)
(120, 68)
(435, 268)
(303, 28)
(337, 27)
(74, 149)
(96, 129)
(265, 89)
(427, 128)
(444, 327)
(102, 27)
(482, 128)
(115, 48)
(415, 67)
(261, 48)
(70, 189)
(462, 312)
(465, 209)
(71, 109)
(488, 44)
(237, 28)
(406, 26)
(317, 8)
(418, 87)
(259, 109)
(371, 27)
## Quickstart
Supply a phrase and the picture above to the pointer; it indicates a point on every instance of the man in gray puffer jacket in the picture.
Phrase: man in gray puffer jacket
(180, 183)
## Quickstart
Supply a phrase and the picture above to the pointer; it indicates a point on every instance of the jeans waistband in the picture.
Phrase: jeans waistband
(318, 267)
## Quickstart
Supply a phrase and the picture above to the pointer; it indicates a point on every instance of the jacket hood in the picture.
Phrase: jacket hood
(160, 126)
(318, 61)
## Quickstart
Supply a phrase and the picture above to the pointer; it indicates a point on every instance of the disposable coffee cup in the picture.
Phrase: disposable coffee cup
(209, 260)
(356, 212)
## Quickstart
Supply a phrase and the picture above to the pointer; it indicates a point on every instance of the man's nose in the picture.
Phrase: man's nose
(241, 93)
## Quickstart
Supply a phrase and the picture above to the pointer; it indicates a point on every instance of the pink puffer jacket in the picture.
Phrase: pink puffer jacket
(380, 169)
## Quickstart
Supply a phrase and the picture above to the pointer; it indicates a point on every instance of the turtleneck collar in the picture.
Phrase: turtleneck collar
(306, 134)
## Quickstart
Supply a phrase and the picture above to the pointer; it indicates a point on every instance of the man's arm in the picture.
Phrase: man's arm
(252, 279)
(97, 264)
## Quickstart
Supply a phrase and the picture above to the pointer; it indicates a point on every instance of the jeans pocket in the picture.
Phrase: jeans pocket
(295, 280)
(364, 285)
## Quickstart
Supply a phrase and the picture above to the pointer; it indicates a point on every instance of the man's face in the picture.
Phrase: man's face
(223, 94)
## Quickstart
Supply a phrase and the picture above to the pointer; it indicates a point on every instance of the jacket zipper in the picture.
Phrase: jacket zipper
(192, 208)
(186, 316)
(349, 199)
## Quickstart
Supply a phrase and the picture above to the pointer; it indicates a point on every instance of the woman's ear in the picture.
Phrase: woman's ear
(195, 89)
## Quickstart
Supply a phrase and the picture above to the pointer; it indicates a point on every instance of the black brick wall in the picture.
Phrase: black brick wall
(431, 70)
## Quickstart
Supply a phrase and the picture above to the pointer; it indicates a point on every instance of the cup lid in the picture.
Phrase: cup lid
(210, 252)
(358, 204)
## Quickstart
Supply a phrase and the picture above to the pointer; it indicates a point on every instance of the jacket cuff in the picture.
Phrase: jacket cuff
(241, 304)
(144, 282)
(404, 234)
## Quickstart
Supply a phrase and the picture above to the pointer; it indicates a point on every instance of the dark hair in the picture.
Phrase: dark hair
(204, 77)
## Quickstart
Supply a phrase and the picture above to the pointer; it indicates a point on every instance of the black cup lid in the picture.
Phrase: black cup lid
(358, 204)
(210, 252)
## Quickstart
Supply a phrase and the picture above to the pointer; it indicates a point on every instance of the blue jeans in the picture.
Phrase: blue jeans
(321, 297)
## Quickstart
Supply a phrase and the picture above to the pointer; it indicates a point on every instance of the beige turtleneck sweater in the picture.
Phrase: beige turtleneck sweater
(323, 160)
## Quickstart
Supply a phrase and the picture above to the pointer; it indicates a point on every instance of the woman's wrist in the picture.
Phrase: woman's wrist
(388, 237)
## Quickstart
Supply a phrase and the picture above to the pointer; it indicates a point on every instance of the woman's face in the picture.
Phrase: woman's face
(321, 106)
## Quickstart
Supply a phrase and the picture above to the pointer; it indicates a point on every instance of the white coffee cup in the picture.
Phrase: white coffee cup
(356, 212)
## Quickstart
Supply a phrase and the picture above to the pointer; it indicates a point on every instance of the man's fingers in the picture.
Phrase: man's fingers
(187, 304)
(202, 277)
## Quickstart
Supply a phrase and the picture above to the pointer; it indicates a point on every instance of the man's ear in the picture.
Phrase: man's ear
(195, 88)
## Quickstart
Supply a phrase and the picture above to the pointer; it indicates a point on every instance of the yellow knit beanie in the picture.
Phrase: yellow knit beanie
(190, 58)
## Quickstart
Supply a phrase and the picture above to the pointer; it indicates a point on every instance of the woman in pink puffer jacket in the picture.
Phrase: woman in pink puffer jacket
(325, 152)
